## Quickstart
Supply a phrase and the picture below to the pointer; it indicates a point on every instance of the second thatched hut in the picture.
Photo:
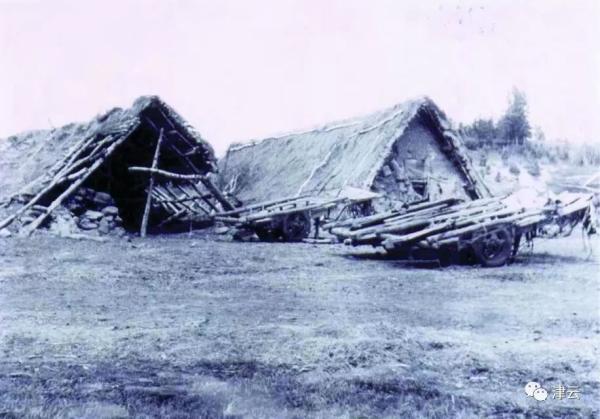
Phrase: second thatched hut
(407, 153)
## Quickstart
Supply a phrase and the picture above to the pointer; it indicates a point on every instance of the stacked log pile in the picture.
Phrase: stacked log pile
(290, 219)
(451, 222)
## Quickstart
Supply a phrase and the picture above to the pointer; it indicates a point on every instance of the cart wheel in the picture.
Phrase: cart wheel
(296, 226)
(493, 248)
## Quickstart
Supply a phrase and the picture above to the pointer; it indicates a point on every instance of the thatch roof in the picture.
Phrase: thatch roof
(27, 156)
(337, 155)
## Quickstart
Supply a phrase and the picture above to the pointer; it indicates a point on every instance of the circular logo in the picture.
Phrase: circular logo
(531, 387)
(540, 394)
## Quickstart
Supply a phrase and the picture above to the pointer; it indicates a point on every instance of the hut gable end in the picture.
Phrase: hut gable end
(418, 166)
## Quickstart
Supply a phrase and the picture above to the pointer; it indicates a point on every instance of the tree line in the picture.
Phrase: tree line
(513, 128)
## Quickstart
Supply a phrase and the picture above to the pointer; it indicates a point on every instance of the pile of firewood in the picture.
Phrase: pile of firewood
(451, 222)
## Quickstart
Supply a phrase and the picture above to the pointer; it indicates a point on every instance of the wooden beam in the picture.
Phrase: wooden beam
(206, 181)
(172, 217)
(191, 198)
(167, 199)
(144, 226)
(165, 173)
(263, 205)
(205, 197)
(191, 208)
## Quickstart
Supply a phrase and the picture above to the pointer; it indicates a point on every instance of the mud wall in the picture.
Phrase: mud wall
(418, 168)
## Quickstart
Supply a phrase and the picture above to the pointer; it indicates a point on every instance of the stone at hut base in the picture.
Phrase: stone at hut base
(110, 210)
(222, 230)
(102, 198)
(86, 224)
(93, 215)
(27, 220)
(104, 226)
(120, 232)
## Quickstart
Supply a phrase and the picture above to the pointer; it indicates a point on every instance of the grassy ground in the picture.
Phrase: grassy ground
(180, 327)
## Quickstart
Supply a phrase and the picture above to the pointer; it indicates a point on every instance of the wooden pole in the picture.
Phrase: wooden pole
(144, 226)
(165, 173)
(216, 193)
(205, 197)
(54, 182)
(36, 223)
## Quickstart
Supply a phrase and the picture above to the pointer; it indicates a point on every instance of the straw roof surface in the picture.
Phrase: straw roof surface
(27, 156)
(337, 155)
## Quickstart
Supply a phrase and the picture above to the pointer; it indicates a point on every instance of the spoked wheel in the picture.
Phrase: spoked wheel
(296, 226)
(493, 248)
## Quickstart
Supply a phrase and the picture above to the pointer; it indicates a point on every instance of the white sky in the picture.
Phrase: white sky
(246, 69)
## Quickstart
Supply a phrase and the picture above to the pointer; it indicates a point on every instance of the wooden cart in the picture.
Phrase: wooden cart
(292, 219)
(488, 230)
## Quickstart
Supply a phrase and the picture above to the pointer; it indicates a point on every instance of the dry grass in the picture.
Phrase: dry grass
(160, 328)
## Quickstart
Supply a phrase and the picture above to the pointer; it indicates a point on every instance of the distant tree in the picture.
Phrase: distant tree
(538, 134)
(479, 133)
(484, 130)
(514, 126)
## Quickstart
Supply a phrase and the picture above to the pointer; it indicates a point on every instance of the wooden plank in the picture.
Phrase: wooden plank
(167, 192)
(359, 223)
(262, 205)
(172, 217)
(318, 207)
(481, 224)
(168, 199)
(459, 222)
(425, 215)
(397, 241)
(401, 230)
(205, 197)
(453, 214)
(187, 199)
(194, 201)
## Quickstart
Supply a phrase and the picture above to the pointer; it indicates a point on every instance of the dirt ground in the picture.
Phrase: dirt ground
(202, 327)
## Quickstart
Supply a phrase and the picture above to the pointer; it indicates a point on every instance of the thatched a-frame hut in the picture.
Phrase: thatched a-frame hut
(408, 152)
(42, 170)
